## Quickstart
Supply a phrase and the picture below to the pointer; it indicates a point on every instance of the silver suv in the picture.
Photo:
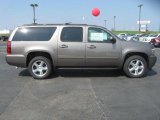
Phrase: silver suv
(42, 48)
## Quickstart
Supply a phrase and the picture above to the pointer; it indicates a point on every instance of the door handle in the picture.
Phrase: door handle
(64, 46)
(91, 46)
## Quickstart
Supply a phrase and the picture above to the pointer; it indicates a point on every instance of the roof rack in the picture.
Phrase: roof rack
(68, 23)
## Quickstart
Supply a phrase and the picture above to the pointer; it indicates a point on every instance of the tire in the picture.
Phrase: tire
(135, 66)
(40, 67)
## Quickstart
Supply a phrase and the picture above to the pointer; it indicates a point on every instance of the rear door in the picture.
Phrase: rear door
(71, 46)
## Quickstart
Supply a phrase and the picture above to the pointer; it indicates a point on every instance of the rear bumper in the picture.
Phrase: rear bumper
(16, 60)
(152, 61)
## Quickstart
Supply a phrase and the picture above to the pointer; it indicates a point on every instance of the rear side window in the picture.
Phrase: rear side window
(34, 34)
(72, 34)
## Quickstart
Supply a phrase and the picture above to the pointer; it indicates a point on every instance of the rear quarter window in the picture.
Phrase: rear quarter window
(34, 34)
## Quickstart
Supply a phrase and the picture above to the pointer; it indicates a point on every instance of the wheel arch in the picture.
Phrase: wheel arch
(33, 54)
(129, 54)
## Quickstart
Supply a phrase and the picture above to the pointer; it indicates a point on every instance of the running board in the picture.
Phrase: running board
(94, 68)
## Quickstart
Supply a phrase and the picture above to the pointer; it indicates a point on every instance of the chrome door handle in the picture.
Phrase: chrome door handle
(91, 46)
(64, 46)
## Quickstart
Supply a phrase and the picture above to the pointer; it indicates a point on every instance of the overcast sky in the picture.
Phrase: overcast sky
(19, 12)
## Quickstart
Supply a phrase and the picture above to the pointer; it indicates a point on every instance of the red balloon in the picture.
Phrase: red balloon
(95, 12)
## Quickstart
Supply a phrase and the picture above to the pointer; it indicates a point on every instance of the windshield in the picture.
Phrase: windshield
(151, 36)
(154, 35)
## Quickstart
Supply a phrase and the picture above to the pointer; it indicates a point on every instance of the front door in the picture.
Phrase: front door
(100, 50)
(71, 48)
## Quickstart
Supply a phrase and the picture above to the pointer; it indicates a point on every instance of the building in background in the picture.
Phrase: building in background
(4, 34)
(5, 31)
(144, 25)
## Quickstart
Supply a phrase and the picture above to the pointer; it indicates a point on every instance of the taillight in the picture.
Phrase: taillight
(8, 47)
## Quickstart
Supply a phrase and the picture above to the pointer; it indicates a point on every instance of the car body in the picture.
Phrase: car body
(42, 48)
(136, 37)
(143, 37)
(155, 42)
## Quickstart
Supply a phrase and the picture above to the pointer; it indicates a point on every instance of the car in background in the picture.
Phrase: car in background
(122, 36)
(155, 42)
(130, 37)
(136, 37)
(4, 38)
(148, 39)
(143, 37)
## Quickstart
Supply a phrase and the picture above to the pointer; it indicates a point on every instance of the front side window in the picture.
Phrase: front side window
(98, 35)
(72, 34)
(34, 34)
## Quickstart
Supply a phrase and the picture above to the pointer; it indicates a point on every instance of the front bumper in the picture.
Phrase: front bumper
(16, 60)
(152, 61)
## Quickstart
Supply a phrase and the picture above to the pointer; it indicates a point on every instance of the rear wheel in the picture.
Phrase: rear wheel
(40, 67)
(135, 66)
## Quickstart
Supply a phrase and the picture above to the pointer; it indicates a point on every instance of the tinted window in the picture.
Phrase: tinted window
(72, 34)
(34, 34)
(98, 35)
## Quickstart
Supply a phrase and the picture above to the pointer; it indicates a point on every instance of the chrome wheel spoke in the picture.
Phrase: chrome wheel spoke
(41, 63)
(132, 63)
(35, 64)
(141, 67)
(131, 69)
(138, 62)
(45, 68)
(136, 72)
(41, 72)
(35, 70)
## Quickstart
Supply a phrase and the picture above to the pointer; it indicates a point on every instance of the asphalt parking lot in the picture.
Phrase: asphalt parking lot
(78, 94)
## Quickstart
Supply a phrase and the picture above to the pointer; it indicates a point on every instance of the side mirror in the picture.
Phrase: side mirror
(112, 39)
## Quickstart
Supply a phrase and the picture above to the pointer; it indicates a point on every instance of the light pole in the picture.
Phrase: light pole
(34, 14)
(114, 23)
(140, 6)
(105, 23)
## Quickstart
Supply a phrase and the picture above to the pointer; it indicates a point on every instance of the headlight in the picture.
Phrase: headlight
(153, 50)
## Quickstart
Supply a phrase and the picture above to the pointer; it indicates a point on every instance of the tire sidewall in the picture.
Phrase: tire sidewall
(127, 62)
(44, 59)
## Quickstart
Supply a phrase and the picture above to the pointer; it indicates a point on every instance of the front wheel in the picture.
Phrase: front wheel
(135, 66)
(40, 67)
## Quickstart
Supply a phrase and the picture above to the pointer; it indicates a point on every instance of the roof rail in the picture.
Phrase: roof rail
(31, 24)
(68, 23)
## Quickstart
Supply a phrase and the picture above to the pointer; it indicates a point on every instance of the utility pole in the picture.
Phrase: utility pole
(114, 23)
(105, 23)
(34, 14)
(140, 7)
